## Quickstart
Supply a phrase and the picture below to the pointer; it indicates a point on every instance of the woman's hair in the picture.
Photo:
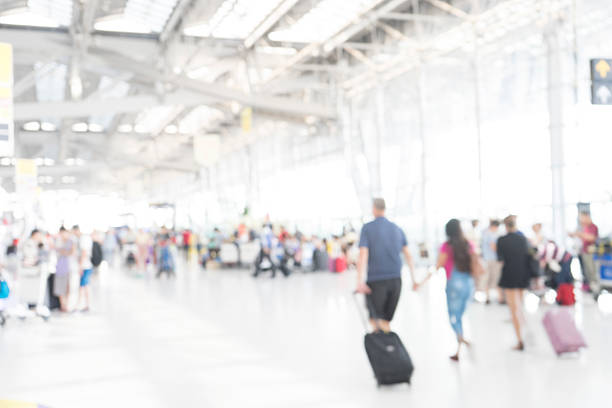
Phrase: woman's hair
(460, 245)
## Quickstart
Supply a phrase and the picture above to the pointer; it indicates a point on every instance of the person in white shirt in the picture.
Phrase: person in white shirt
(85, 268)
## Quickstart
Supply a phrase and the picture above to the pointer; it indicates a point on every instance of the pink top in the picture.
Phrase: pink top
(450, 261)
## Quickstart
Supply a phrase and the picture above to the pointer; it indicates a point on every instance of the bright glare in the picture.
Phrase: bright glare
(604, 302)
(31, 126)
(80, 127)
(119, 23)
(47, 127)
(28, 18)
(94, 127)
(234, 19)
(323, 21)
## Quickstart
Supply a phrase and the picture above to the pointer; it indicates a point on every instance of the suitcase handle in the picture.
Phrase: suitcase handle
(362, 317)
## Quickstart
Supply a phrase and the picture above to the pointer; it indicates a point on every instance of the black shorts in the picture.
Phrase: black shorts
(382, 302)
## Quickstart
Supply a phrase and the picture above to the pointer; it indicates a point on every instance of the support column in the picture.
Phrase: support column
(478, 118)
(555, 114)
(376, 158)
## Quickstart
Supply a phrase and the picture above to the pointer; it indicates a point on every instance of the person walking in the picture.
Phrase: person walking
(513, 252)
(66, 249)
(588, 234)
(492, 268)
(380, 247)
(458, 258)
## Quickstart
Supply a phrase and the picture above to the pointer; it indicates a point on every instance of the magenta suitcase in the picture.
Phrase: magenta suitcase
(562, 331)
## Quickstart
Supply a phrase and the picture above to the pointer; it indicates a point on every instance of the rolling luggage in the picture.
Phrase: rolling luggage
(562, 331)
(340, 265)
(388, 357)
(53, 302)
(320, 260)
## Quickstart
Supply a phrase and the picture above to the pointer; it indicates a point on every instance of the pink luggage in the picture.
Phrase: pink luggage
(562, 331)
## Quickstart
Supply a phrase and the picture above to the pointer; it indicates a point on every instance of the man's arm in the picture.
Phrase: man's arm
(361, 265)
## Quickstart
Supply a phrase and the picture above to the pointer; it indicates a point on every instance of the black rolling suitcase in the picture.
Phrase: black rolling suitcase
(53, 302)
(388, 357)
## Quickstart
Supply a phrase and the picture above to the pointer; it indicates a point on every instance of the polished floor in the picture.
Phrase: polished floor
(220, 338)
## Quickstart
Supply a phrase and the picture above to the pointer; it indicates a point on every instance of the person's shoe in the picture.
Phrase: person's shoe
(455, 357)
(519, 347)
(488, 302)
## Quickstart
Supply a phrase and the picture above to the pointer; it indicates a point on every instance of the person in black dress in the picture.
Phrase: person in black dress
(512, 251)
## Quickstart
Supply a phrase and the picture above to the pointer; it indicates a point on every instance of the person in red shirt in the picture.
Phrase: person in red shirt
(588, 234)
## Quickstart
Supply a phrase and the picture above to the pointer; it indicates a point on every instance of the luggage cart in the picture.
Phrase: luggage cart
(603, 266)
(27, 295)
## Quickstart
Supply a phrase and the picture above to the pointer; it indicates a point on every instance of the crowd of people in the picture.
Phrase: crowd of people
(509, 263)
(498, 261)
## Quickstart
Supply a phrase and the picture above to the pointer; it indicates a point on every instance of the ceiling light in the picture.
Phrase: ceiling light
(94, 127)
(171, 129)
(6, 161)
(68, 179)
(140, 128)
(80, 127)
(48, 162)
(31, 126)
(69, 162)
(48, 127)
(39, 161)
(125, 128)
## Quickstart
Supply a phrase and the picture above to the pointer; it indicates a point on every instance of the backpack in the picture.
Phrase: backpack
(96, 254)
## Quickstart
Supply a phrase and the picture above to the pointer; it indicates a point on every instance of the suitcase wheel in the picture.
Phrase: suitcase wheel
(2, 320)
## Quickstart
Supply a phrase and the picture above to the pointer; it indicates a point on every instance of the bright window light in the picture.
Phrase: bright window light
(25, 17)
(234, 19)
(80, 127)
(31, 126)
(122, 24)
(139, 17)
(323, 21)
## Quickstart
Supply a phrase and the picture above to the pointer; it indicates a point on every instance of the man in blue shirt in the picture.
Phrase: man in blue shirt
(380, 248)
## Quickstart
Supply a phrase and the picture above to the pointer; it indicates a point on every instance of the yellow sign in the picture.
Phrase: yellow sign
(246, 119)
(602, 67)
(25, 167)
(6, 64)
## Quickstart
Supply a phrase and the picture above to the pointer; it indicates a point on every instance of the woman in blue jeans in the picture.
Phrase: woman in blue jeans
(458, 259)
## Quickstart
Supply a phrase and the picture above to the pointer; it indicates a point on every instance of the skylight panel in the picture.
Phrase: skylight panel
(40, 13)
(323, 21)
(140, 17)
(234, 19)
